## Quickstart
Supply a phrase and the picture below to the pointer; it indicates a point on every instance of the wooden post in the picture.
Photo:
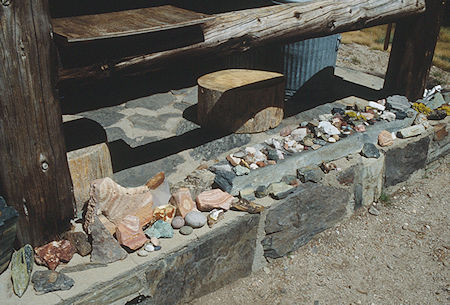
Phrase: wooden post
(34, 176)
(412, 51)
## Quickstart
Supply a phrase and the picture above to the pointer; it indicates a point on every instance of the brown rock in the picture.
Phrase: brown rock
(285, 131)
(271, 162)
(114, 201)
(440, 131)
(385, 138)
(360, 128)
(165, 213)
(234, 161)
(54, 252)
(145, 214)
(214, 217)
(182, 200)
(260, 163)
(80, 241)
(156, 181)
(214, 199)
(129, 233)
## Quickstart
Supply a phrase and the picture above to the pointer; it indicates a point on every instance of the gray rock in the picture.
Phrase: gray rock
(247, 193)
(146, 123)
(373, 211)
(195, 219)
(116, 133)
(436, 102)
(198, 181)
(401, 162)
(398, 102)
(186, 230)
(160, 229)
(181, 106)
(241, 170)
(290, 180)
(185, 126)
(272, 155)
(411, 131)
(261, 191)
(191, 95)
(311, 173)
(224, 179)
(214, 148)
(152, 102)
(48, 281)
(292, 222)
(279, 190)
(82, 267)
(105, 249)
(177, 222)
(221, 166)
(369, 150)
(104, 116)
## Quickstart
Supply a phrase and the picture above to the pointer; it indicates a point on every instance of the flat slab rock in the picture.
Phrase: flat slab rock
(48, 281)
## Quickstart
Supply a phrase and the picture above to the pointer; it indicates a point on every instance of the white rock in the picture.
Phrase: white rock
(331, 140)
(250, 150)
(259, 156)
(325, 117)
(377, 106)
(411, 131)
(253, 166)
(280, 154)
(276, 144)
(299, 134)
(328, 128)
(149, 248)
(142, 253)
(388, 116)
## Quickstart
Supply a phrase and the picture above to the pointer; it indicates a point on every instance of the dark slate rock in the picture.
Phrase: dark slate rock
(224, 179)
(82, 267)
(290, 180)
(261, 191)
(369, 150)
(206, 264)
(338, 110)
(152, 102)
(104, 116)
(437, 115)
(311, 173)
(272, 154)
(295, 220)
(401, 162)
(400, 115)
(214, 148)
(48, 281)
(105, 249)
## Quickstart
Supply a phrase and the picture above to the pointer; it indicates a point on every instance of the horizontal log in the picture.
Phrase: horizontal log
(241, 30)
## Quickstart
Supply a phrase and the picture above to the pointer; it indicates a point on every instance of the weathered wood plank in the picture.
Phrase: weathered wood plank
(241, 30)
(412, 51)
(34, 175)
(124, 23)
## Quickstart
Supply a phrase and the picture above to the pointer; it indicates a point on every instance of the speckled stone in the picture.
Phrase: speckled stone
(177, 222)
(195, 219)
(160, 229)
(186, 230)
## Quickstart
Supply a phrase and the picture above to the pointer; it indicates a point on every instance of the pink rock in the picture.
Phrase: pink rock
(360, 128)
(182, 200)
(285, 131)
(214, 199)
(129, 233)
(385, 138)
(53, 253)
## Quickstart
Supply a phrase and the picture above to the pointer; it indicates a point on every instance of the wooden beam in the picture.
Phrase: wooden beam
(242, 30)
(412, 51)
(34, 176)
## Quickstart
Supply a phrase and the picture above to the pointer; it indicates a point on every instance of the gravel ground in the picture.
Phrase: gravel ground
(400, 256)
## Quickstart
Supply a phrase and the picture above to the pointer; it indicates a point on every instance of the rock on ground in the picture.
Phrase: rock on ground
(401, 256)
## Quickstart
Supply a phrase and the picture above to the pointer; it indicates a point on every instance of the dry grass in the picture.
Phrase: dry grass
(374, 38)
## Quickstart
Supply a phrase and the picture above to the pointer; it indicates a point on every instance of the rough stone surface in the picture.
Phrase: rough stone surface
(295, 220)
(54, 252)
(198, 181)
(214, 148)
(369, 150)
(160, 229)
(401, 162)
(195, 219)
(105, 249)
(195, 270)
(369, 182)
(48, 281)
(279, 190)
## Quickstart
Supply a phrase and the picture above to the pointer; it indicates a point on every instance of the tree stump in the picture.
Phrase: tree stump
(240, 101)
(86, 165)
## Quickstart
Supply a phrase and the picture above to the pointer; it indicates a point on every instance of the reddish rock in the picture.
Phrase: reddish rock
(129, 233)
(155, 181)
(260, 163)
(145, 214)
(214, 199)
(360, 128)
(165, 213)
(440, 131)
(182, 200)
(53, 253)
(285, 131)
(385, 138)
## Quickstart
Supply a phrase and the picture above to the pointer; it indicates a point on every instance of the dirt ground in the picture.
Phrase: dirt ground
(401, 256)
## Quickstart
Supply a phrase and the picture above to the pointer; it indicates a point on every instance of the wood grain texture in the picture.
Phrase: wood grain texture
(412, 51)
(124, 23)
(240, 101)
(242, 30)
(34, 176)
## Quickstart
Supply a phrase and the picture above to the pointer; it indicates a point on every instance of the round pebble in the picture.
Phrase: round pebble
(142, 253)
(177, 222)
(149, 248)
(157, 248)
(195, 219)
(154, 241)
(186, 230)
